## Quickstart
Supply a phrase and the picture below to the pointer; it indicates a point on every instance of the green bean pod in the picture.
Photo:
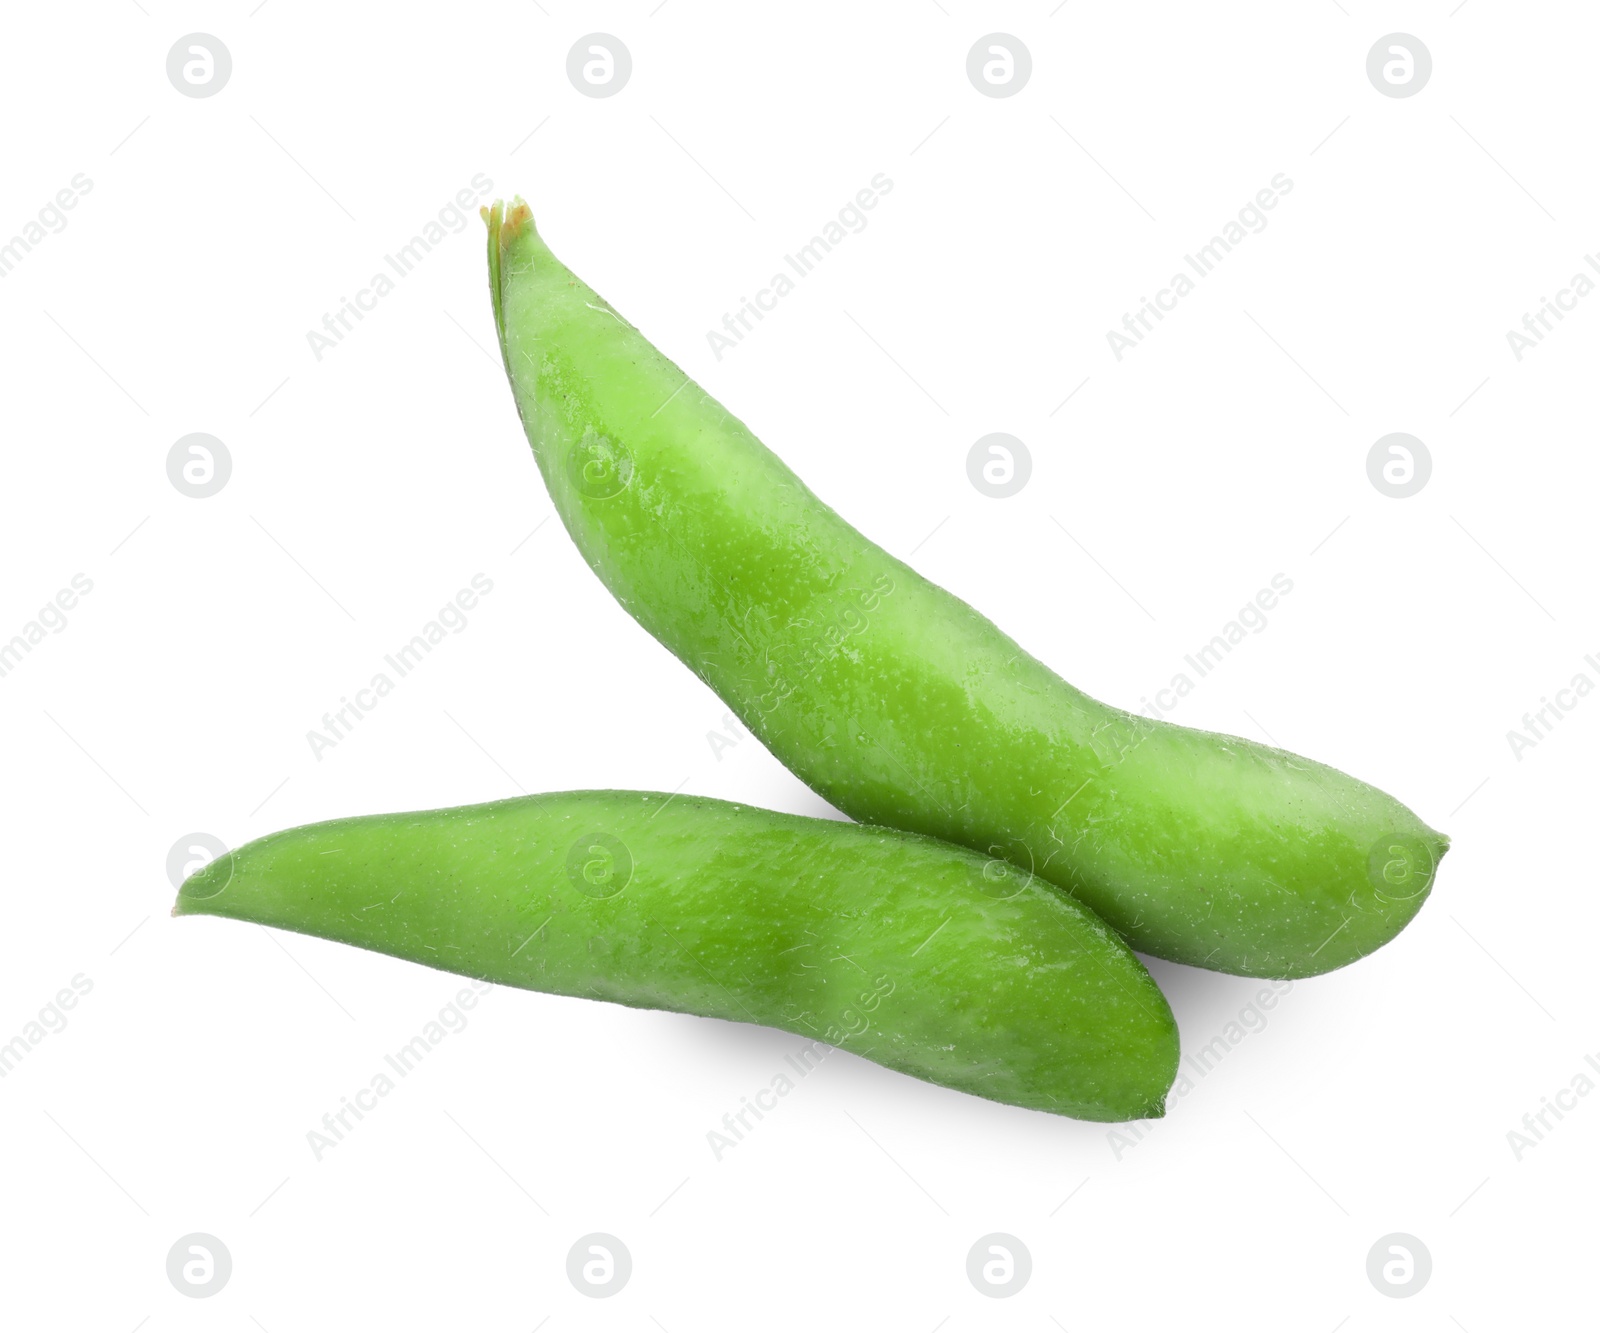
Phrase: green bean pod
(899, 703)
(910, 952)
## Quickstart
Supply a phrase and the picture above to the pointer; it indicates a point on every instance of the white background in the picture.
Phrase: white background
(367, 487)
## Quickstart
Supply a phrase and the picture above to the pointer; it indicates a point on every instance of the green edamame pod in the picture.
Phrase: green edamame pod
(903, 706)
(921, 956)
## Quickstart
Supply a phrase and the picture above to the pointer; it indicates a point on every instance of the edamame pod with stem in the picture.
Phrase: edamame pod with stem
(898, 702)
(910, 952)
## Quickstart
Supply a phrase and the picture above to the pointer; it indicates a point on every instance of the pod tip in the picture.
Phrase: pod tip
(506, 221)
(517, 216)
